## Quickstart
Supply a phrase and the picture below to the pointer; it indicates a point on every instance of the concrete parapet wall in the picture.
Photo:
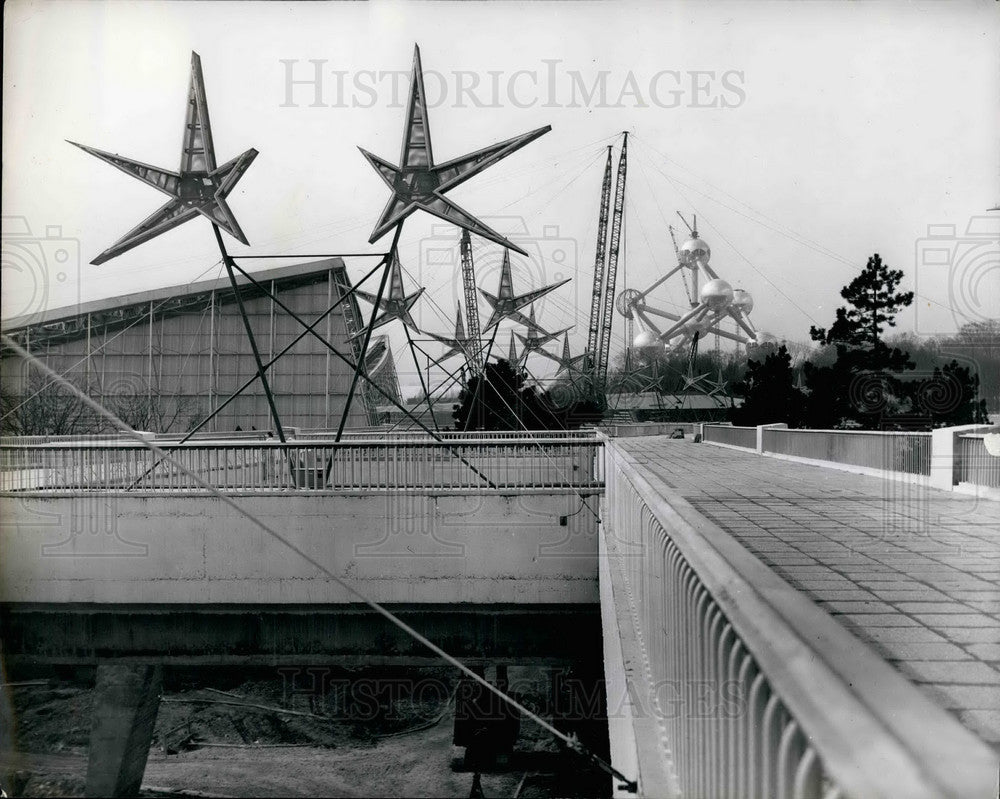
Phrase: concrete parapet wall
(944, 448)
(407, 548)
(649, 429)
(695, 607)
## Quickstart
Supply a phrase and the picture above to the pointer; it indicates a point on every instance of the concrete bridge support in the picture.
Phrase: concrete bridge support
(126, 700)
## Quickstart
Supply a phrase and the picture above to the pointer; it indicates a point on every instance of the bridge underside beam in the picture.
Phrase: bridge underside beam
(300, 635)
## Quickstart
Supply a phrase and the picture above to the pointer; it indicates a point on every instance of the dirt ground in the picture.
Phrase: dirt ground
(362, 733)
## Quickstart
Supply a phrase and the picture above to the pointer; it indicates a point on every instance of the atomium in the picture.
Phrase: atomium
(693, 252)
(626, 300)
(713, 303)
(716, 294)
(645, 339)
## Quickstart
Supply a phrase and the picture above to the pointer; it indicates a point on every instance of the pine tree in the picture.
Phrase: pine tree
(497, 399)
(769, 392)
(874, 304)
(862, 386)
(949, 397)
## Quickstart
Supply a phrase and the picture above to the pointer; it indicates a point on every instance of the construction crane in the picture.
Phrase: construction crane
(594, 334)
(608, 304)
(677, 252)
(471, 304)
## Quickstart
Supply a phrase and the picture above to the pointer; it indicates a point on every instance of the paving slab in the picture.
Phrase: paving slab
(912, 571)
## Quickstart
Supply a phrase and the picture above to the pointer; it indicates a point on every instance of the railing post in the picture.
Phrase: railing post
(760, 433)
(944, 447)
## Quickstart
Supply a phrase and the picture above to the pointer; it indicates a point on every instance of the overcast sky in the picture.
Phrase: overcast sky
(804, 136)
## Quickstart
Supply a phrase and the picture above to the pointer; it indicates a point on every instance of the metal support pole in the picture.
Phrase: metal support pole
(333, 350)
(253, 341)
(451, 379)
(359, 367)
(423, 385)
(486, 363)
(308, 329)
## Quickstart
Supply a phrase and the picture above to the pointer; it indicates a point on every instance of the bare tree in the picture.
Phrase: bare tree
(47, 409)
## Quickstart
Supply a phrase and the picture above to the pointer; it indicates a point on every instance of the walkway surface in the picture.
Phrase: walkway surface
(912, 571)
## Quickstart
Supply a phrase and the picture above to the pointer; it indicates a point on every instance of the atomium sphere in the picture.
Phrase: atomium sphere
(645, 338)
(742, 300)
(699, 326)
(629, 300)
(716, 294)
(764, 338)
(694, 250)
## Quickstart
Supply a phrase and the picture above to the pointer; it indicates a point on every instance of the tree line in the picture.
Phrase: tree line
(859, 378)
(854, 375)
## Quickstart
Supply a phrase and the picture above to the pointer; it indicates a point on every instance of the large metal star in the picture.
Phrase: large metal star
(512, 357)
(537, 338)
(395, 303)
(459, 344)
(693, 383)
(418, 183)
(570, 363)
(506, 304)
(717, 386)
(200, 187)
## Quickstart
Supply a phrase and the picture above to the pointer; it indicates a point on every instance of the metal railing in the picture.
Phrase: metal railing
(582, 434)
(626, 430)
(887, 451)
(757, 692)
(459, 464)
(975, 464)
(81, 439)
(745, 437)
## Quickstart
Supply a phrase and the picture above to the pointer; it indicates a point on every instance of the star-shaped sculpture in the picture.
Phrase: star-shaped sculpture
(632, 374)
(537, 338)
(507, 305)
(459, 344)
(199, 187)
(420, 183)
(691, 382)
(513, 358)
(717, 386)
(395, 303)
(651, 382)
(569, 363)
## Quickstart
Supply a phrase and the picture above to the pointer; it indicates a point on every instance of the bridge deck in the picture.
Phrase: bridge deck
(912, 571)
